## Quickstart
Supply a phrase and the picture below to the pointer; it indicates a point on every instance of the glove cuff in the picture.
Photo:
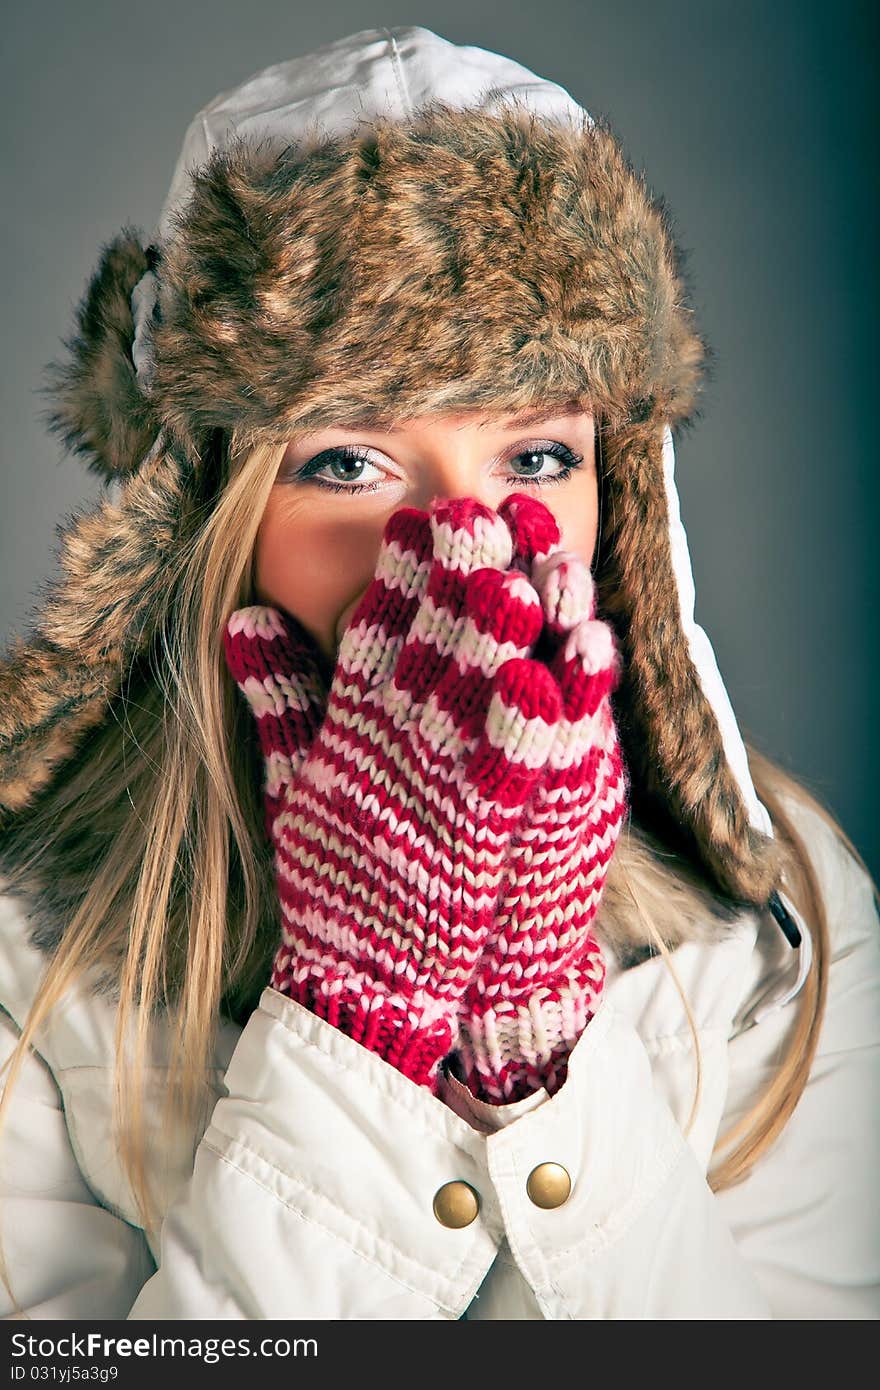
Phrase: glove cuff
(413, 1033)
(512, 1048)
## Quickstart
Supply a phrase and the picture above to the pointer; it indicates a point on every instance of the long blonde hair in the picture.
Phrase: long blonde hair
(182, 906)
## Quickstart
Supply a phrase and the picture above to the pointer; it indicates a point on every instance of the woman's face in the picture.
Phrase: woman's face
(320, 534)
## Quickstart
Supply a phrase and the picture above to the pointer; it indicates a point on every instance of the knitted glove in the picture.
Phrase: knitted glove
(391, 814)
(541, 973)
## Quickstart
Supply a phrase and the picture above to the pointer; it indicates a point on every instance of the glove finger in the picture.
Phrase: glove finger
(566, 589)
(533, 528)
(521, 723)
(503, 609)
(467, 536)
(385, 614)
(503, 621)
(587, 668)
(276, 666)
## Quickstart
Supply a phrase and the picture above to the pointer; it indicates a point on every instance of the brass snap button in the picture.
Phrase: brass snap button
(456, 1204)
(548, 1185)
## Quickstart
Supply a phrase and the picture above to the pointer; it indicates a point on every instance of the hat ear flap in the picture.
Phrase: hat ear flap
(119, 563)
(98, 408)
(687, 762)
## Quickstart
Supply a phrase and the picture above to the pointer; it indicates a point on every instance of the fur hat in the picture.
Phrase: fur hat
(390, 226)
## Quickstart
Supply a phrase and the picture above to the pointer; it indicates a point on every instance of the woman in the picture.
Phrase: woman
(330, 697)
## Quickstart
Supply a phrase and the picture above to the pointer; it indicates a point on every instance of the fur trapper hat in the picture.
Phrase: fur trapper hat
(390, 226)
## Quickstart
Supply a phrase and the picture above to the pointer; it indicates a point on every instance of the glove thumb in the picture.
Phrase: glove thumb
(276, 666)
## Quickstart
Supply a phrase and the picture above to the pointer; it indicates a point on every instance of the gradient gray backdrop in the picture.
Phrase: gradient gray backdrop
(754, 121)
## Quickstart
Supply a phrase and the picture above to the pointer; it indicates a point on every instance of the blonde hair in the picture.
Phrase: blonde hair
(182, 908)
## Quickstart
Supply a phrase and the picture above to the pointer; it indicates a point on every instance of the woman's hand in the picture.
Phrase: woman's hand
(391, 813)
(541, 972)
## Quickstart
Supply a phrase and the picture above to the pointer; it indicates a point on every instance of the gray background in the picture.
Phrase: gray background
(754, 121)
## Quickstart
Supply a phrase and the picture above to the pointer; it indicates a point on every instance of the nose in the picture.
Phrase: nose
(456, 472)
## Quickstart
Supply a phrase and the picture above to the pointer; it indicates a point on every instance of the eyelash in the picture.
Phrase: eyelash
(309, 471)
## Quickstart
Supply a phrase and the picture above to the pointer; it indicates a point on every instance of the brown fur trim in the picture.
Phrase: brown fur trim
(99, 410)
(118, 562)
(673, 744)
(462, 260)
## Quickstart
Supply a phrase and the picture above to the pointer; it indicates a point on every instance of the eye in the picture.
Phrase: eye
(529, 465)
(343, 468)
(349, 468)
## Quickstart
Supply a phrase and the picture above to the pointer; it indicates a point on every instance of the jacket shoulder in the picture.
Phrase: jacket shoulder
(842, 879)
(83, 1023)
(848, 896)
(75, 1053)
(22, 964)
(806, 1216)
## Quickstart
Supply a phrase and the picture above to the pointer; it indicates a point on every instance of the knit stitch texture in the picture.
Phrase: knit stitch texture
(395, 803)
(542, 971)
(390, 831)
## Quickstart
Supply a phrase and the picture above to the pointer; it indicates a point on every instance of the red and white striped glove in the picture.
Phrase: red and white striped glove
(391, 814)
(541, 973)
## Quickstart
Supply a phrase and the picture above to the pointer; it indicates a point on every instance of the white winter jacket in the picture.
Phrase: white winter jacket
(312, 1194)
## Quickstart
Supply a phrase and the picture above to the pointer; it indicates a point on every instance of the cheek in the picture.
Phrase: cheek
(313, 561)
(575, 506)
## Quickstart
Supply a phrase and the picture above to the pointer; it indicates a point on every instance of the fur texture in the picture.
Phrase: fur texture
(682, 782)
(463, 260)
(98, 408)
(58, 685)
